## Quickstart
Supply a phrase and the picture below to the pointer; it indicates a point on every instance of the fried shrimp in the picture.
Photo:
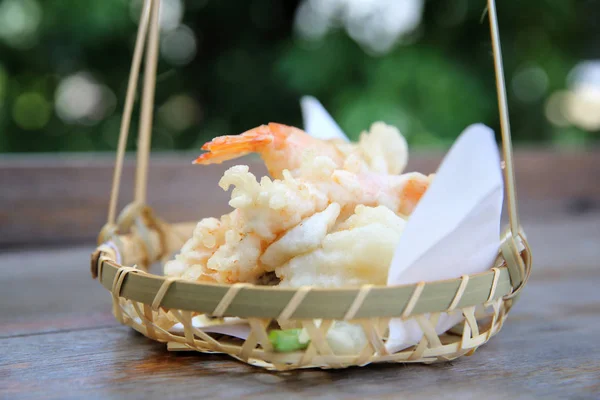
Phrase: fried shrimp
(268, 226)
(383, 149)
(280, 146)
(227, 250)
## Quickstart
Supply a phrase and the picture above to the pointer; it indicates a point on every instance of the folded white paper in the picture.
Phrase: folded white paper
(455, 228)
(235, 327)
(317, 121)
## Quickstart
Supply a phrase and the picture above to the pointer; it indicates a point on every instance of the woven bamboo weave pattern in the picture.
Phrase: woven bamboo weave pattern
(130, 243)
(151, 304)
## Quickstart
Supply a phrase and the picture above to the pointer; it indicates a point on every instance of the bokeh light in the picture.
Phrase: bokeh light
(178, 46)
(579, 105)
(19, 22)
(170, 14)
(582, 107)
(180, 112)
(530, 83)
(586, 73)
(554, 108)
(178, 43)
(375, 24)
(31, 111)
(224, 67)
(583, 103)
(81, 99)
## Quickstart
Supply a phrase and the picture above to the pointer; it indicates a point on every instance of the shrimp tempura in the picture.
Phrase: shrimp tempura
(240, 246)
(228, 250)
(383, 149)
(356, 252)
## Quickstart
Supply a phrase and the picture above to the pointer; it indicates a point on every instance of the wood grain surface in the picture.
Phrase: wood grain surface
(50, 200)
(58, 339)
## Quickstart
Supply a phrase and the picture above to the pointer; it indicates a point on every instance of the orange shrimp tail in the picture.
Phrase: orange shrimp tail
(411, 195)
(225, 148)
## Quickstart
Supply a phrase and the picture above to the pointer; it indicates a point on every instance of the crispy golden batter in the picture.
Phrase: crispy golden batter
(334, 218)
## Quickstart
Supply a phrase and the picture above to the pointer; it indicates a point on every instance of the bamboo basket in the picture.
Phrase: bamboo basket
(131, 242)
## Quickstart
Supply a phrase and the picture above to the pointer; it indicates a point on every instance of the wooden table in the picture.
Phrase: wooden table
(58, 338)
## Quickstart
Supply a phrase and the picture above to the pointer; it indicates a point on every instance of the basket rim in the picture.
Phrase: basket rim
(248, 300)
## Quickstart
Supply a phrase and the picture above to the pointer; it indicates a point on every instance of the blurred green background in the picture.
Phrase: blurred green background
(226, 66)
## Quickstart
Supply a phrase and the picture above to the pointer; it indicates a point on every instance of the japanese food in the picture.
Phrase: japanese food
(331, 214)
(383, 149)
(331, 219)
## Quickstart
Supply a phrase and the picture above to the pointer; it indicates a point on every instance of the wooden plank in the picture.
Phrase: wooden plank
(50, 200)
(58, 339)
(53, 201)
(547, 349)
(34, 299)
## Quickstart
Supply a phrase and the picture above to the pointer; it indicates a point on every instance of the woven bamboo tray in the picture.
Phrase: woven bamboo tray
(130, 243)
